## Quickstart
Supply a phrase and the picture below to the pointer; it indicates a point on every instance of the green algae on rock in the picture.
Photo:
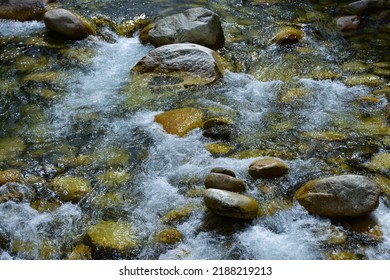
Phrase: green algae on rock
(169, 235)
(180, 121)
(70, 188)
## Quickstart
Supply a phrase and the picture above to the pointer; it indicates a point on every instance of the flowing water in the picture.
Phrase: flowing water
(89, 118)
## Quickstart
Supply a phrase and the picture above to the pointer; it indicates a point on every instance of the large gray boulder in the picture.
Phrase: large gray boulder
(68, 24)
(231, 204)
(339, 196)
(189, 63)
(197, 25)
(22, 10)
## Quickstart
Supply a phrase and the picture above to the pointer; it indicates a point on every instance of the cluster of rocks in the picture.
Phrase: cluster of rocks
(332, 197)
(223, 194)
(358, 9)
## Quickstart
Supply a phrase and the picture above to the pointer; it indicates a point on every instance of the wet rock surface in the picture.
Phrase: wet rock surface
(339, 196)
(22, 10)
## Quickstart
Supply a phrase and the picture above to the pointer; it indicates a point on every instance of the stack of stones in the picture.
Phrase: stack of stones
(224, 196)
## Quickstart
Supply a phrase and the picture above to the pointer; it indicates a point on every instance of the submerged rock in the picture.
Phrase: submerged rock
(339, 196)
(180, 121)
(68, 24)
(369, 80)
(367, 6)
(224, 182)
(10, 175)
(379, 163)
(108, 238)
(71, 188)
(219, 149)
(22, 10)
(80, 252)
(267, 168)
(197, 25)
(231, 204)
(191, 64)
(168, 235)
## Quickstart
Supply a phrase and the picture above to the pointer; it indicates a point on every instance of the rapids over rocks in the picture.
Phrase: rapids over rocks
(102, 159)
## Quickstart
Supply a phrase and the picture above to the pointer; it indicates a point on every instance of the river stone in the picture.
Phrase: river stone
(110, 237)
(68, 24)
(194, 64)
(169, 235)
(22, 10)
(379, 163)
(180, 121)
(197, 25)
(267, 168)
(348, 23)
(339, 196)
(10, 175)
(230, 204)
(224, 182)
(71, 188)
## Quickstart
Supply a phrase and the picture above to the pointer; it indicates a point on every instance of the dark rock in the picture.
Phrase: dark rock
(367, 6)
(197, 25)
(339, 196)
(68, 24)
(22, 9)
(218, 132)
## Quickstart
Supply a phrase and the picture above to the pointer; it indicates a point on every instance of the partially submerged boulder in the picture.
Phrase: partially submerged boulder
(197, 25)
(231, 204)
(339, 196)
(22, 10)
(68, 24)
(188, 64)
(224, 182)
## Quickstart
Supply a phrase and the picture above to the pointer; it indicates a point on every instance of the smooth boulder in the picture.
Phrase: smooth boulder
(22, 10)
(348, 23)
(339, 196)
(231, 204)
(68, 24)
(197, 25)
(224, 182)
(190, 63)
(267, 168)
(180, 121)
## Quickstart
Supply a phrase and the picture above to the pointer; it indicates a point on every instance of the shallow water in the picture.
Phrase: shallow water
(94, 118)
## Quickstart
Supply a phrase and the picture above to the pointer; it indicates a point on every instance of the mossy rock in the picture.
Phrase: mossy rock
(180, 121)
(382, 91)
(218, 149)
(356, 67)
(293, 95)
(42, 78)
(75, 161)
(10, 175)
(179, 214)
(382, 72)
(194, 192)
(369, 80)
(379, 163)
(270, 207)
(128, 27)
(108, 238)
(343, 255)
(43, 206)
(71, 188)
(337, 237)
(264, 153)
(373, 127)
(82, 55)
(114, 178)
(211, 122)
(384, 183)
(10, 148)
(169, 236)
(16, 192)
(80, 252)
(288, 35)
(111, 157)
(30, 64)
(325, 135)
